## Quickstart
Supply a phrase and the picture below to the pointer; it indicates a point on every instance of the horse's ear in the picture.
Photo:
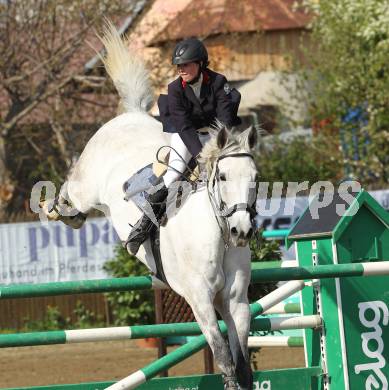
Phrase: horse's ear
(222, 137)
(249, 138)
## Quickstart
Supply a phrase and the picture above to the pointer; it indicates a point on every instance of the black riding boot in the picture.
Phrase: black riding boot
(140, 231)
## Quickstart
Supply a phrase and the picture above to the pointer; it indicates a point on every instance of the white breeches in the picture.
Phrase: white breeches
(175, 161)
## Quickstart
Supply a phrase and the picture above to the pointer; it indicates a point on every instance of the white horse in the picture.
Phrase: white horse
(199, 264)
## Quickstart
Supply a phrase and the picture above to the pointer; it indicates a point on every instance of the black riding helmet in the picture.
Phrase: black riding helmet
(190, 50)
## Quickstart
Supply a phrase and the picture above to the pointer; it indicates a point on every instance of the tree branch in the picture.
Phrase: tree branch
(58, 131)
(6, 127)
(59, 54)
(91, 81)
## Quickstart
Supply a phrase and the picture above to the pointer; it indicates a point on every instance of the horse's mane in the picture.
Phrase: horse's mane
(211, 150)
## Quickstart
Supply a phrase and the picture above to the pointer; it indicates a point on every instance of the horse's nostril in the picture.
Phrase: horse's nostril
(234, 231)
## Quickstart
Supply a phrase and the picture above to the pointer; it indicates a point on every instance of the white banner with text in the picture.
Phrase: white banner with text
(35, 252)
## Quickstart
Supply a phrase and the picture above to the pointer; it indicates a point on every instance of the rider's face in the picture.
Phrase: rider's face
(188, 71)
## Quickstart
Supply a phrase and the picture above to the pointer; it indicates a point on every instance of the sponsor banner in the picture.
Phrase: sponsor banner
(36, 252)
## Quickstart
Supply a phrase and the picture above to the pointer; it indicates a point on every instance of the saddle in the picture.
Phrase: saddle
(142, 182)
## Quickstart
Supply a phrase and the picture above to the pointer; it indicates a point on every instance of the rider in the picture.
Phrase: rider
(195, 99)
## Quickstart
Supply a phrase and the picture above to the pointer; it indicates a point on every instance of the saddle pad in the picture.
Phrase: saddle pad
(136, 187)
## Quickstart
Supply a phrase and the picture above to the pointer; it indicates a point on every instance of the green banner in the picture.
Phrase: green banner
(365, 303)
(291, 379)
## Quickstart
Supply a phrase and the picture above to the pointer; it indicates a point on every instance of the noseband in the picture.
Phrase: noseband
(223, 210)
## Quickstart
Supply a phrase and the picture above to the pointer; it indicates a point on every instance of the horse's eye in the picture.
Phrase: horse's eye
(222, 177)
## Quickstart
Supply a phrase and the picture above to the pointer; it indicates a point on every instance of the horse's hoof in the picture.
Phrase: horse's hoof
(75, 222)
(230, 383)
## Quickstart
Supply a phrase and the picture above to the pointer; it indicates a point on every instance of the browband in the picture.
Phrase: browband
(235, 155)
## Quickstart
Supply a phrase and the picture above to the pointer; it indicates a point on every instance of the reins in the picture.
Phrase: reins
(182, 175)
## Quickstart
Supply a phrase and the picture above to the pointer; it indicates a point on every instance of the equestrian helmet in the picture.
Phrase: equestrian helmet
(190, 50)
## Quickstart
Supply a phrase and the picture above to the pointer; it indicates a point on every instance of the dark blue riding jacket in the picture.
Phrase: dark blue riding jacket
(181, 111)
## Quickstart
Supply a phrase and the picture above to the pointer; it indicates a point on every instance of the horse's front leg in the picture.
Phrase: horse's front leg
(232, 304)
(201, 301)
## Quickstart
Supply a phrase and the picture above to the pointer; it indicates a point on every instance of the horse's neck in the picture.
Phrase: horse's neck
(192, 240)
(200, 200)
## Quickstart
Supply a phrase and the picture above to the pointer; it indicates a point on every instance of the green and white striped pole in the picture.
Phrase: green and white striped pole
(320, 271)
(150, 282)
(144, 331)
(275, 341)
(130, 283)
(284, 308)
(180, 354)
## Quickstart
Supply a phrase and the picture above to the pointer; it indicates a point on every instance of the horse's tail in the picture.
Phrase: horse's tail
(127, 72)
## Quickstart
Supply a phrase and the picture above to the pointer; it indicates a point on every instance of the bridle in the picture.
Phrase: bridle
(221, 210)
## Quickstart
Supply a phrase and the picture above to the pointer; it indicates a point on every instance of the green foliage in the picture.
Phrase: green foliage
(131, 307)
(263, 250)
(86, 318)
(349, 68)
(300, 160)
(54, 320)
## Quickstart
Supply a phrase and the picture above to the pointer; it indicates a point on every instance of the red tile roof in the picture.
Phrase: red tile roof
(203, 18)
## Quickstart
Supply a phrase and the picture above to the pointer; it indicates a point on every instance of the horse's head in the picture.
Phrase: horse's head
(233, 175)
